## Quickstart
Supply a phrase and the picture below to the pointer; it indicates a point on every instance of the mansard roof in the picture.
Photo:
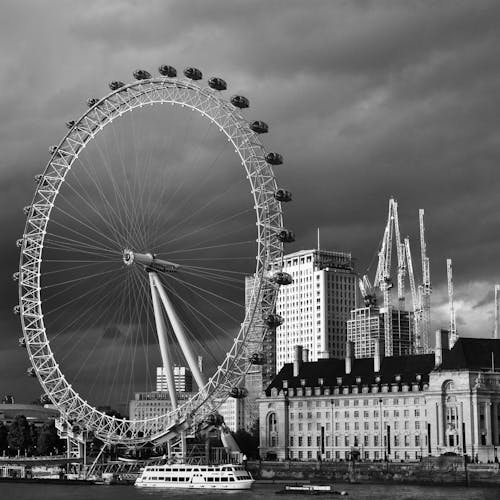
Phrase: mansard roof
(466, 354)
(472, 354)
(362, 373)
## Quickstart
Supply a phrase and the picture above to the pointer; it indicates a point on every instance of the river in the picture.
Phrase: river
(19, 491)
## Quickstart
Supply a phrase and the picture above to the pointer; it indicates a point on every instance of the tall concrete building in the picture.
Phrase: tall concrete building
(260, 375)
(316, 305)
(366, 326)
(183, 379)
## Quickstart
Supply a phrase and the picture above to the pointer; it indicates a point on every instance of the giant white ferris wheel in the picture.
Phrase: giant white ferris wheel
(151, 211)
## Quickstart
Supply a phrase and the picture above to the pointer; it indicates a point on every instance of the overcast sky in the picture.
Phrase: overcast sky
(365, 100)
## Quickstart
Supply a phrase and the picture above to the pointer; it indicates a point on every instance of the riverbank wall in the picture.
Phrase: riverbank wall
(439, 470)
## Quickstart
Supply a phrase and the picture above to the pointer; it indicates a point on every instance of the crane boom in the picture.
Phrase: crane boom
(425, 287)
(497, 297)
(453, 323)
(416, 299)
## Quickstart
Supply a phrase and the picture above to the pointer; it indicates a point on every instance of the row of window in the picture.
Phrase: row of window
(355, 441)
(345, 455)
(354, 425)
(356, 402)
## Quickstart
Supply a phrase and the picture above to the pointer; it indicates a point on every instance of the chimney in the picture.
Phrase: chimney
(349, 351)
(305, 355)
(297, 361)
(377, 356)
(441, 345)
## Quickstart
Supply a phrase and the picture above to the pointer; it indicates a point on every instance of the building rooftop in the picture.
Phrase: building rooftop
(472, 354)
(467, 353)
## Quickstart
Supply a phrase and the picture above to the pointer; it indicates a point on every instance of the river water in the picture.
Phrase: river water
(17, 491)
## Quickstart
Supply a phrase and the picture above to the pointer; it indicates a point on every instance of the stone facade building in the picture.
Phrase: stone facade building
(399, 408)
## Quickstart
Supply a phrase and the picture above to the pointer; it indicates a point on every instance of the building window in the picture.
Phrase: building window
(309, 441)
(272, 428)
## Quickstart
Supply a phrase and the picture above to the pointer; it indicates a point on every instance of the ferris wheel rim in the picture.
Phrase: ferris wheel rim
(111, 106)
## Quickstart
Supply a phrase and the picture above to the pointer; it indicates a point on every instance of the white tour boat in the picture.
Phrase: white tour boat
(221, 477)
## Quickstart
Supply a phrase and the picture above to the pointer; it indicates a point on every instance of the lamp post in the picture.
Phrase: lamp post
(331, 432)
(381, 432)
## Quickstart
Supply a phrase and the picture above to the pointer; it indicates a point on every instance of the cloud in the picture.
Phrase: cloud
(364, 99)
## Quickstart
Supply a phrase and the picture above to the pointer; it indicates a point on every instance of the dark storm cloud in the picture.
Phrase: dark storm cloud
(365, 100)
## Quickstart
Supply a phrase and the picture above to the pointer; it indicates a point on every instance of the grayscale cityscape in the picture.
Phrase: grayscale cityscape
(250, 246)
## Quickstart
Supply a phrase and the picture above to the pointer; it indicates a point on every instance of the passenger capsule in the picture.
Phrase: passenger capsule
(282, 278)
(274, 158)
(238, 393)
(15, 276)
(70, 124)
(76, 429)
(217, 83)
(38, 178)
(31, 371)
(26, 209)
(92, 101)
(16, 310)
(166, 70)
(282, 195)
(240, 101)
(257, 359)
(193, 73)
(260, 127)
(141, 74)
(21, 342)
(286, 236)
(44, 399)
(52, 149)
(274, 320)
(19, 242)
(115, 85)
(214, 419)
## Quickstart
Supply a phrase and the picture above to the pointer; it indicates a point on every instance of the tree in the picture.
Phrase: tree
(249, 441)
(19, 435)
(48, 440)
(4, 443)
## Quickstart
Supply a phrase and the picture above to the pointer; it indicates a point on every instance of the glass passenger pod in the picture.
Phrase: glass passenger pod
(92, 101)
(274, 158)
(240, 101)
(116, 84)
(274, 320)
(217, 83)
(259, 127)
(286, 236)
(166, 70)
(282, 195)
(193, 74)
(141, 74)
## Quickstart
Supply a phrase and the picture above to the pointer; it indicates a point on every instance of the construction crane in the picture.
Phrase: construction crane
(383, 279)
(453, 324)
(367, 291)
(497, 290)
(416, 299)
(425, 287)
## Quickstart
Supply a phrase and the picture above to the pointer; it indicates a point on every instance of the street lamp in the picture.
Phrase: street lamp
(381, 432)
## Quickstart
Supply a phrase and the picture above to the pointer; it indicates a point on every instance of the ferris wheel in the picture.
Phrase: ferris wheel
(154, 238)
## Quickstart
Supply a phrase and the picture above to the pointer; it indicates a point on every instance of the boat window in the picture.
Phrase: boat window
(225, 479)
(231, 479)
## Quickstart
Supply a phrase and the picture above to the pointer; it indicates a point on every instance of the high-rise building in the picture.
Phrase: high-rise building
(366, 326)
(232, 410)
(183, 379)
(260, 375)
(316, 305)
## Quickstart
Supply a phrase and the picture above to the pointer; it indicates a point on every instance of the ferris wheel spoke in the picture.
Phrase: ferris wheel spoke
(118, 235)
(216, 278)
(68, 244)
(91, 303)
(93, 230)
(201, 318)
(81, 278)
(89, 264)
(111, 213)
(211, 247)
(110, 297)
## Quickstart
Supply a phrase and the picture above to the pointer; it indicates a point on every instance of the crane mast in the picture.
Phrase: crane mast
(425, 287)
(453, 323)
(497, 290)
(416, 299)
